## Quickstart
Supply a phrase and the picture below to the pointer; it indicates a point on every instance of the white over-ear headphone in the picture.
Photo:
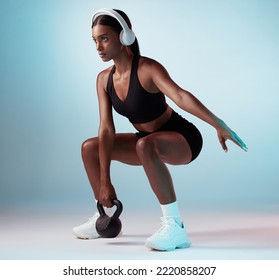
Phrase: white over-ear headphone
(127, 36)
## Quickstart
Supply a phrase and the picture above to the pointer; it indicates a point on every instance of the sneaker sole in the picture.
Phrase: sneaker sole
(84, 236)
(159, 248)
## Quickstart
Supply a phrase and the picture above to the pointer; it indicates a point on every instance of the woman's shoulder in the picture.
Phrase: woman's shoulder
(103, 76)
(105, 72)
(149, 64)
(146, 61)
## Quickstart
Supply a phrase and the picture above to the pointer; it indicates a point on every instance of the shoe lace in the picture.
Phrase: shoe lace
(93, 218)
(166, 225)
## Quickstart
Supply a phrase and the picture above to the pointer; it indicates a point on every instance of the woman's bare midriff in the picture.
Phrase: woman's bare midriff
(155, 124)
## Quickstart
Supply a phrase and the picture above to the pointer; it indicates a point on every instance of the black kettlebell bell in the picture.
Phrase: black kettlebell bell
(109, 227)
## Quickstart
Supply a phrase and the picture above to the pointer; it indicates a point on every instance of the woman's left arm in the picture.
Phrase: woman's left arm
(188, 102)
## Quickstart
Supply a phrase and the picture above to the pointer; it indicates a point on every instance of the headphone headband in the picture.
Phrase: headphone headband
(127, 36)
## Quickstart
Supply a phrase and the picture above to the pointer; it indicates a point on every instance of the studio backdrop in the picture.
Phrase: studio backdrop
(224, 52)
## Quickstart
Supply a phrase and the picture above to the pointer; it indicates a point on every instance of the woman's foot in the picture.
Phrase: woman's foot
(87, 230)
(169, 237)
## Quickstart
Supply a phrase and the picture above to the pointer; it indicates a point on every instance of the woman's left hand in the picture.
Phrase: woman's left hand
(224, 133)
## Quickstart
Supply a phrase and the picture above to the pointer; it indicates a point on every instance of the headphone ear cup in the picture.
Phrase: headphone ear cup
(127, 37)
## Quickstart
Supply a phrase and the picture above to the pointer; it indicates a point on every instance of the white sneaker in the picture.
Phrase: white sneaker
(87, 230)
(169, 237)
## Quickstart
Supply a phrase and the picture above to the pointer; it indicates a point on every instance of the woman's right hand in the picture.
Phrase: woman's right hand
(106, 195)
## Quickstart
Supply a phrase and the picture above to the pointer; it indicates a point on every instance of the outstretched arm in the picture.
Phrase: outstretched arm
(188, 102)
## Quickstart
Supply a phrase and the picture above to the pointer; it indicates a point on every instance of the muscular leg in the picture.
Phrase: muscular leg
(124, 150)
(154, 151)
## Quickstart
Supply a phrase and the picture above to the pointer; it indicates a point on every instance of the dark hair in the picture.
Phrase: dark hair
(116, 26)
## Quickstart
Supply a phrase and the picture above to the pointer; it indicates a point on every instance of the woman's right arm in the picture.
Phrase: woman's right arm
(106, 140)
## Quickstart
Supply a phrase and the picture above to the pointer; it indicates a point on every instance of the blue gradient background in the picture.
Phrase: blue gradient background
(224, 52)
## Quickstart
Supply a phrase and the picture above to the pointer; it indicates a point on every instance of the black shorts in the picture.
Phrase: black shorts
(185, 128)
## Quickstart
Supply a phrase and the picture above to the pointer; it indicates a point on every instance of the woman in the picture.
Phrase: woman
(136, 87)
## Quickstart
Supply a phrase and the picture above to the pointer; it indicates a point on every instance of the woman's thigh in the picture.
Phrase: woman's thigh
(124, 149)
(171, 146)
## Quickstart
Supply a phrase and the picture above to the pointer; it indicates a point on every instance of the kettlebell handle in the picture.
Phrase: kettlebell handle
(119, 208)
(117, 203)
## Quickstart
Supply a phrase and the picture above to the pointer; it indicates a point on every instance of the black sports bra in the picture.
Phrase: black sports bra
(140, 106)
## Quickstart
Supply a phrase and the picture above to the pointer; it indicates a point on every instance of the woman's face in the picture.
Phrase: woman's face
(107, 42)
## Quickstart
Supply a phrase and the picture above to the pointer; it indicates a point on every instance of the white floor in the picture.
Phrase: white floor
(215, 235)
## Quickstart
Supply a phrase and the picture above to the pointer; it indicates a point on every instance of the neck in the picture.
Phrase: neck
(124, 61)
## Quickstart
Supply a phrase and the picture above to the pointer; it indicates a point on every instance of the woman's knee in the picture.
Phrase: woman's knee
(146, 146)
(90, 148)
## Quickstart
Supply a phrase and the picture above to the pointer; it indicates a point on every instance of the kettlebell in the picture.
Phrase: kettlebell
(109, 227)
